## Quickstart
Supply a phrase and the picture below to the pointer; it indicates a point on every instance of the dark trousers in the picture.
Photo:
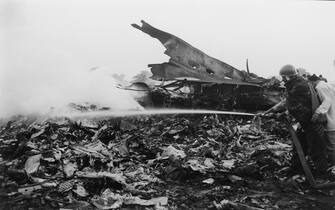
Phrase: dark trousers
(330, 143)
(312, 140)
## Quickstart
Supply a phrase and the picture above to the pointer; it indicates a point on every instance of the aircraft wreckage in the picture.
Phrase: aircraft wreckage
(193, 79)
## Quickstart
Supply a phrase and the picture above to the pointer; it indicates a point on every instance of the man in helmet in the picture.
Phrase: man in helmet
(299, 104)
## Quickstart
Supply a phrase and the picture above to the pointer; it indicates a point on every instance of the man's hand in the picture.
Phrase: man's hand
(266, 113)
(261, 114)
(315, 117)
(319, 118)
(270, 114)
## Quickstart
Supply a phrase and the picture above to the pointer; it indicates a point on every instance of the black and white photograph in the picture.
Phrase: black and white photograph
(159, 105)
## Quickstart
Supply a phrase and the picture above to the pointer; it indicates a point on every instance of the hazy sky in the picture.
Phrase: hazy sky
(45, 41)
(43, 36)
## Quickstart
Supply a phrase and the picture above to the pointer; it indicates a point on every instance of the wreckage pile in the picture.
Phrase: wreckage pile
(147, 162)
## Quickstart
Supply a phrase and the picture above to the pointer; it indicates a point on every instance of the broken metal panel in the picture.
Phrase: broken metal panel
(257, 98)
(171, 71)
(215, 84)
(188, 61)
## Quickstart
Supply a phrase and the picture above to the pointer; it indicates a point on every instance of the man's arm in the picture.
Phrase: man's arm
(276, 108)
(325, 96)
(281, 106)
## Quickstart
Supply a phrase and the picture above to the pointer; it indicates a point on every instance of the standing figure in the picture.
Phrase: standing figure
(299, 104)
(326, 111)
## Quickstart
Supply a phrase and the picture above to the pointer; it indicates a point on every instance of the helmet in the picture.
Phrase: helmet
(288, 70)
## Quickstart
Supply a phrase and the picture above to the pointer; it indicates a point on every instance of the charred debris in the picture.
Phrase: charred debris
(192, 79)
(150, 162)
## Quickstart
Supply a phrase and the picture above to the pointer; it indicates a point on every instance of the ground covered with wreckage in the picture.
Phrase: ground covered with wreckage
(151, 162)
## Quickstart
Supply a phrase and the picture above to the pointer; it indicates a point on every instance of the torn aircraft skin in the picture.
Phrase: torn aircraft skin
(213, 83)
(185, 60)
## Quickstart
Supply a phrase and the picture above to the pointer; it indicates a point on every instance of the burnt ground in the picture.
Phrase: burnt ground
(151, 162)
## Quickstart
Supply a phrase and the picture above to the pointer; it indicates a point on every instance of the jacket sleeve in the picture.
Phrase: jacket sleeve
(325, 96)
(279, 107)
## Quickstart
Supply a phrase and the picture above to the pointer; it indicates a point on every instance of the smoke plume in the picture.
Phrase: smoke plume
(38, 91)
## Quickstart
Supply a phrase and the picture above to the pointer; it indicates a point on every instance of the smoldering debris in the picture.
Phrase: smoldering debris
(157, 162)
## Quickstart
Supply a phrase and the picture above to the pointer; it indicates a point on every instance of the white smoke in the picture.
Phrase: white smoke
(33, 93)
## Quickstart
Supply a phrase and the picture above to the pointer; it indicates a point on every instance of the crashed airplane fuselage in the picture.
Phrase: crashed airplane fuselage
(209, 79)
